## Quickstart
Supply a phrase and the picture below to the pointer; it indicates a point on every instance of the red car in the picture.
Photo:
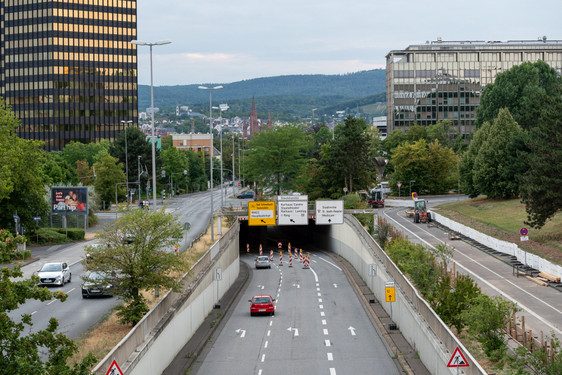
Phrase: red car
(262, 305)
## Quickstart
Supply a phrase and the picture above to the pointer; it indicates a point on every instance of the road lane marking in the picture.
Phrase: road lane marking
(70, 290)
(51, 302)
(327, 343)
(322, 313)
(265, 345)
(319, 294)
(352, 330)
(268, 333)
(327, 261)
(270, 323)
(330, 357)
(324, 322)
(325, 332)
(332, 371)
(321, 307)
(317, 289)
(263, 358)
(499, 291)
(315, 275)
(319, 300)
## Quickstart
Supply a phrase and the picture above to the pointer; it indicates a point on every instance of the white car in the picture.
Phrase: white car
(54, 274)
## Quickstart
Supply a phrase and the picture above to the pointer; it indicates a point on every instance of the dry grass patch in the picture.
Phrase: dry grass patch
(109, 332)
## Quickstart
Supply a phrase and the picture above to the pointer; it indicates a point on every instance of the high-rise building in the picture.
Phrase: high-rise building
(68, 69)
(443, 80)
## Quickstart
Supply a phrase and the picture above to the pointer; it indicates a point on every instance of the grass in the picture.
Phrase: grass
(108, 332)
(503, 219)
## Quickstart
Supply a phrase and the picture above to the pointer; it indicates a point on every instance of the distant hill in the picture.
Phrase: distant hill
(293, 95)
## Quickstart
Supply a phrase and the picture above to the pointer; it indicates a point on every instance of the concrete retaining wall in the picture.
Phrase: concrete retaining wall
(154, 342)
(419, 324)
(498, 245)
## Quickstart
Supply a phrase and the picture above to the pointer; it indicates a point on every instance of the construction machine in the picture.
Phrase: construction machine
(377, 198)
(421, 215)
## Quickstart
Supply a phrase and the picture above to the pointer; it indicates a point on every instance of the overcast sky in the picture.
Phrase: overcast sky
(223, 41)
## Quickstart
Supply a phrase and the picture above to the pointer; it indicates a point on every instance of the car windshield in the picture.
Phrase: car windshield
(263, 259)
(262, 300)
(51, 267)
(96, 276)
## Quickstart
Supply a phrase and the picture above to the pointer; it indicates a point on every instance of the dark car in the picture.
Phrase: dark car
(262, 305)
(96, 285)
(246, 194)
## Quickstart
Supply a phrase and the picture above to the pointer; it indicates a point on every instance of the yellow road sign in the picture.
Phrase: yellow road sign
(261, 213)
(390, 294)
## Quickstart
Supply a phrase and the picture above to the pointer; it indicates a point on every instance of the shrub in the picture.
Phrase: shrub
(74, 234)
(50, 235)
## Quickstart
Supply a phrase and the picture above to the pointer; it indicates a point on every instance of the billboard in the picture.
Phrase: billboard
(69, 199)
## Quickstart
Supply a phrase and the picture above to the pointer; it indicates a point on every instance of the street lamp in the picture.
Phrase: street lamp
(211, 148)
(221, 107)
(126, 157)
(160, 43)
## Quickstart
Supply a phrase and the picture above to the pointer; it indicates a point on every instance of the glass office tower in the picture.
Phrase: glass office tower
(443, 80)
(68, 68)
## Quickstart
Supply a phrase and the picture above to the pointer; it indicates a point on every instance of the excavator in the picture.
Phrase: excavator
(420, 211)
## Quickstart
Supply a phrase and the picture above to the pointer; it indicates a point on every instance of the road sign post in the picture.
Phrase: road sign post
(524, 237)
(390, 294)
(399, 184)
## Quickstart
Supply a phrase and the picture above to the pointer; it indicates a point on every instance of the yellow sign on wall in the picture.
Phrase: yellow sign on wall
(390, 294)
(261, 213)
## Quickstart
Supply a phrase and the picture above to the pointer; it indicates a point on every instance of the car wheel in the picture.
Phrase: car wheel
(84, 296)
(69, 278)
(252, 314)
(269, 267)
(273, 313)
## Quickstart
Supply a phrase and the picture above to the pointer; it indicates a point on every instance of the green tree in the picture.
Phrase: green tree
(108, 174)
(538, 361)
(176, 164)
(58, 171)
(411, 162)
(21, 350)
(485, 319)
(467, 162)
(492, 175)
(86, 175)
(136, 254)
(541, 181)
(276, 157)
(442, 168)
(92, 152)
(137, 145)
(451, 302)
(393, 140)
(22, 188)
(197, 177)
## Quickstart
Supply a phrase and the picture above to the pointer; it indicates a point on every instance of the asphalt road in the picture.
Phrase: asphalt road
(541, 306)
(320, 327)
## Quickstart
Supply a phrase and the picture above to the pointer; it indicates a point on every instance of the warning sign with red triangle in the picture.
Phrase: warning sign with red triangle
(114, 369)
(457, 359)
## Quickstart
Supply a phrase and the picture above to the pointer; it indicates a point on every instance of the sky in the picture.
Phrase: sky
(224, 41)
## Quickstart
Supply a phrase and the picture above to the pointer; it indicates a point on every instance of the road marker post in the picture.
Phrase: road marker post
(247, 247)
(290, 260)
(280, 258)
(261, 251)
(271, 255)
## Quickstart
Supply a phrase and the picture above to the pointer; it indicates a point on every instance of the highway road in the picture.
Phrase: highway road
(77, 315)
(320, 327)
(541, 306)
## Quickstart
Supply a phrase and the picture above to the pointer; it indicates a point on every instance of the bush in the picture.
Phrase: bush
(50, 235)
(26, 254)
(74, 234)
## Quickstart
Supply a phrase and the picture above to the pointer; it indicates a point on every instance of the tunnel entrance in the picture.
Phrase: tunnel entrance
(300, 236)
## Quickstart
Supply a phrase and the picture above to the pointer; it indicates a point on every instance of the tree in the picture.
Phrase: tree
(541, 181)
(276, 157)
(20, 350)
(92, 152)
(485, 319)
(136, 255)
(197, 177)
(109, 173)
(22, 187)
(491, 173)
(411, 162)
(467, 162)
(58, 171)
(137, 145)
(176, 164)
(442, 168)
(86, 175)
(523, 90)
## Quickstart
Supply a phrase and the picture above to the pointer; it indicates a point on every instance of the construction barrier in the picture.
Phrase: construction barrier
(261, 251)
(271, 255)
(280, 258)
(290, 260)
(305, 262)
(247, 247)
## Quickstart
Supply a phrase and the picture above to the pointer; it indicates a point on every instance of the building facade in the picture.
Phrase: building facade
(443, 80)
(199, 142)
(68, 69)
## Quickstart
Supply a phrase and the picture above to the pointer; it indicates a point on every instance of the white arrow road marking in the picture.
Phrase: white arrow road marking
(297, 285)
(336, 286)
(293, 329)
(352, 330)
(242, 332)
(261, 287)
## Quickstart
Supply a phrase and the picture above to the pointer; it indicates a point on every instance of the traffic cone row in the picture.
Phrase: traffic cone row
(304, 259)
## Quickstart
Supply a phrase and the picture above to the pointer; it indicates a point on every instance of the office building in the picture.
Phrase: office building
(443, 80)
(68, 69)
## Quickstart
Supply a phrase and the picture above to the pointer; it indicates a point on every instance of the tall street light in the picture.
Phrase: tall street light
(126, 157)
(211, 148)
(221, 107)
(160, 43)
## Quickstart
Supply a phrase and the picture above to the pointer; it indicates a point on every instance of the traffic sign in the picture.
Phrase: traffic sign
(261, 213)
(372, 270)
(414, 195)
(37, 218)
(292, 209)
(399, 184)
(524, 231)
(329, 212)
(457, 359)
(114, 369)
(218, 273)
(390, 294)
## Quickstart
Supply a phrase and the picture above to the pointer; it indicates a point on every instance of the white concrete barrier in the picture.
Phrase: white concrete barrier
(421, 326)
(505, 247)
(155, 341)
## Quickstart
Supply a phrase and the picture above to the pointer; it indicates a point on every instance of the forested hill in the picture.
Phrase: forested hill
(345, 87)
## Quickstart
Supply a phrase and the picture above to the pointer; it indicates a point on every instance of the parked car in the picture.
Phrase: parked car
(246, 194)
(57, 273)
(95, 285)
(262, 305)
(262, 261)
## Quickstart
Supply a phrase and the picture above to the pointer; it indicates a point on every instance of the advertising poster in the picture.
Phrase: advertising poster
(69, 200)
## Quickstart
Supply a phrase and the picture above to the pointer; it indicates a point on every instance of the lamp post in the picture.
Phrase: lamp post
(221, 107)
(160, 43)
(233, 169)
(126, 157)
(211, 148)
(139, 176)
